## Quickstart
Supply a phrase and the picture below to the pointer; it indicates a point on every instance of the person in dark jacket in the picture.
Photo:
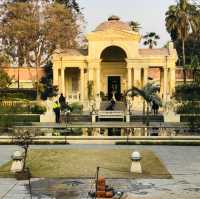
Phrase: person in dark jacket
(62, 101)
(155, 108)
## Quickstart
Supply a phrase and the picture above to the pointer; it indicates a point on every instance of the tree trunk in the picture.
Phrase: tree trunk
(37, 80)
(144, 107)
(18, 77)
(147, 123)
(183, 54)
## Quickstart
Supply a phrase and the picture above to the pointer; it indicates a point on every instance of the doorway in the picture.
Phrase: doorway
(114, 85)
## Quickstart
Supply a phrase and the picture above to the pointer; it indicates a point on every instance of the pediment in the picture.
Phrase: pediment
(113, 35)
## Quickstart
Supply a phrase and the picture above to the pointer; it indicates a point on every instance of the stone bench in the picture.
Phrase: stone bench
(111, 114)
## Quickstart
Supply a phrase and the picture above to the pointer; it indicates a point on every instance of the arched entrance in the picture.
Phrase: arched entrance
(113, 72)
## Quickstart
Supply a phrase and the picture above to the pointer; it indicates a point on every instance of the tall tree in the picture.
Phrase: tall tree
(151, 39)
(48, 90)
(181, 19)
(73, 4)
(31, 38)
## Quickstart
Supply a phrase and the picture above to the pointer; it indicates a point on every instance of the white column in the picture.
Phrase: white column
(82, 83)
(63, 81)
(98, 81)
(129, 77)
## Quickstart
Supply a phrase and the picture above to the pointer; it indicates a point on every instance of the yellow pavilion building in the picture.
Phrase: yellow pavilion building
(113, 61)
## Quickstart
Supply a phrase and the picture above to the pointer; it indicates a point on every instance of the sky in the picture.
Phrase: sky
(149, 13)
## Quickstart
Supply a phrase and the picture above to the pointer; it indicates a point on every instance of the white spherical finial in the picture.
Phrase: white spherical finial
(135, 156)
(17, 155)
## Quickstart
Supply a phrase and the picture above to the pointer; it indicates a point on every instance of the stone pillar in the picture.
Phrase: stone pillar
(98, 80)
(63, 81)
(82, 83)
(165, 72)
(137, 77)
(172, 73)
(145, 78)
(129, 74)
(55, 76)
(90, 73)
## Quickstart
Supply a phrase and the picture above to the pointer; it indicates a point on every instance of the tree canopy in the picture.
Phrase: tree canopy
(31, 38)
(182, 19)
(151, 39)
(5, 80)
(135, 26)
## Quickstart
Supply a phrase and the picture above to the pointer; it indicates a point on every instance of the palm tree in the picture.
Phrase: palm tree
(181, 19)
(150, 39)
(149, 94)
(135, 26)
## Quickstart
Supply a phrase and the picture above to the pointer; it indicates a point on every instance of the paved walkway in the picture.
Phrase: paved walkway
(182, 162)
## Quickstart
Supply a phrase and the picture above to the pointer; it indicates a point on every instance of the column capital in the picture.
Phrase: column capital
(94, 63)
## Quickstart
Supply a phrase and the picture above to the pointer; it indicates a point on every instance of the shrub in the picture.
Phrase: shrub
(22, 109)
(37, 109)
(76, 107)
(190, 107)
(174, 143)
(14, 109)
(187, 92)
(12, 119)
(17, 94)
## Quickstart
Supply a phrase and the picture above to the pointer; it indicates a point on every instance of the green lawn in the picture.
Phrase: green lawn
(82, 163)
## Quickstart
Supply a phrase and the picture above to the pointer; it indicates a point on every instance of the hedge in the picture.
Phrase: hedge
(168, 143)
(21, 93)
(189, 107)
(12, 119)
(188, 92)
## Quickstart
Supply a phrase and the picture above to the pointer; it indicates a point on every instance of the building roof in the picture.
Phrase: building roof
(75, 52)
(113, 23)
(154, 52)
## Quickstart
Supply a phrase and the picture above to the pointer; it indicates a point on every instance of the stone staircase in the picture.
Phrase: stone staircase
(111, 115)
(119, 106)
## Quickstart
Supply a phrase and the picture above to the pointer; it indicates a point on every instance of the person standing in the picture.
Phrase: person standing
(155, 108)
(62, 101)
(56, 109)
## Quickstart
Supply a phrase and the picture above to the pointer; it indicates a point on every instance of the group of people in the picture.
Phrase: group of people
(61, 105)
